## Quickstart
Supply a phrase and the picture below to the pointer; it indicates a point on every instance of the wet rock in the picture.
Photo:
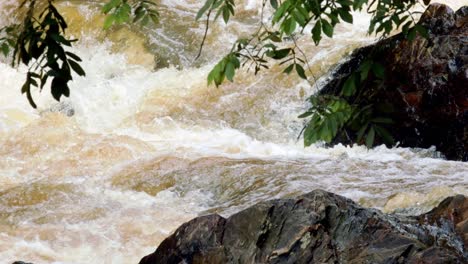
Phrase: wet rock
(453, 213)
(65, 108)
(439, 18)
(426, 82)
(319, 227)
(461, 18)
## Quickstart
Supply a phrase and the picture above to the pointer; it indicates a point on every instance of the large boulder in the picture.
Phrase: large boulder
(319, 227)
(426, 82)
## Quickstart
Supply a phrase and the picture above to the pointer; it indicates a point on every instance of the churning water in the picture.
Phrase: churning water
(151, 146)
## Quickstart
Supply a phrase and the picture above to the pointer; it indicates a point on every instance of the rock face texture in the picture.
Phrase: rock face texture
(320, 227)
(426, 82)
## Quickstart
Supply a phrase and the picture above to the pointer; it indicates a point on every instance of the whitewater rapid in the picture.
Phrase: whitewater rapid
(151, 146)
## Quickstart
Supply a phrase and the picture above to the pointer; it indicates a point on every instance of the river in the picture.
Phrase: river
(151, 146)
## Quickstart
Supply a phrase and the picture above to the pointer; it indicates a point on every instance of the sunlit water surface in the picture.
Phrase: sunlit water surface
(151, 146)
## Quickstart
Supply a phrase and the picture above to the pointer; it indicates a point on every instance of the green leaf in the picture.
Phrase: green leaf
(315, 7)
(317, 32)
(345, 15)
(300, 19)
(289, 69)
(226, 15)
(361, 132)
(27, 89)
(58, 88)
(327, 28)
(300, 71)
(123, 13)
(109, 21)
(109, 6)
(411, 34)
(333, 126)
(274, 4)
(5, 49)
(73, 56)
(310, 134)
(278, 15)
(230, 71)
(364, 69)
(406, 27)
(205, 8)
(379, 70)
(333, 17)
(357, 4)
(385, 135)
(154, 18)
(289, 25)
(77, 68)
(370, 137)
(281, 53)
(422, 30)
(44, 80)
(139, 14)
(349, 87)
(306, 114)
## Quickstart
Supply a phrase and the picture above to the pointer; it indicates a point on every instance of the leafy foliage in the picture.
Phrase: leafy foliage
(121, 11)
(349, 113)
(224, 69)
(328, 115)
(8, 39)
(294, 16)
(40, 45)
(222, 7)
(40, 42)
(388, 15)
(365, 119)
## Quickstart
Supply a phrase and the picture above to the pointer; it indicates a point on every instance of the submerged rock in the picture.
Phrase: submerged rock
(65, 108)
(426, 82)
(320, 227)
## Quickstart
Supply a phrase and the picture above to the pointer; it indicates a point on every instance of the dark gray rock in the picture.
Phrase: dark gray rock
(319, 227)
(439, 18)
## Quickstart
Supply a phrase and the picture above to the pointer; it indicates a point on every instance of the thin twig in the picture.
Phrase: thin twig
(204, 36)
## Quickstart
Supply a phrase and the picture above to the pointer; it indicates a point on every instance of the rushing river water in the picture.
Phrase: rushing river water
(151, 146)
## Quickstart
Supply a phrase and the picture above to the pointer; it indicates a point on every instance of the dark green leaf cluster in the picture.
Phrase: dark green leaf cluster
(328, 115)
(254, 54)
(222, 7)
(287, 56)
(324, 15)
(120, 12)
(368, 126)
(40, 42)
(389, 15)
(8, 36)
(224, 69)
(352, 114)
